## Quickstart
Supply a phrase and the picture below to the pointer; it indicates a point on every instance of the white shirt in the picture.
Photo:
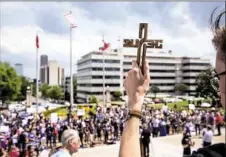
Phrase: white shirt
(156, 123)
(197, 119)
(208, 136)
(15, 139)
(165, 108)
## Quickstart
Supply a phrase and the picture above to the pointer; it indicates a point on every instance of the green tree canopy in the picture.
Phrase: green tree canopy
(10, 83)
(93, 99)
(23, 90)
(181, 88)
(207, 84)
(45, 90)
(55, 92)
(155, 89)
(117, 95)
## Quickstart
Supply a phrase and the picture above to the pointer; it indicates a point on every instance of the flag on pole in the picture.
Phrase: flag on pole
(37, 42)
(71, 19)
(105, 46)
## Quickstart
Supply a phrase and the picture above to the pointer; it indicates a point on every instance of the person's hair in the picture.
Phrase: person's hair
(67, 135)
(219, 32)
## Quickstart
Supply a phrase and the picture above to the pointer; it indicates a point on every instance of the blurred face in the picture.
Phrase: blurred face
(220, 68)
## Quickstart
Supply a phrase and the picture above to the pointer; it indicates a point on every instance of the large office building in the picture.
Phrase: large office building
(67, 83)
(50, 72)
(43, 60)
(19, 69)
(166, 71)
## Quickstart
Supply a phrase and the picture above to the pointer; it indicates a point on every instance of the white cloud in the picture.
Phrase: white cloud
(188, 39)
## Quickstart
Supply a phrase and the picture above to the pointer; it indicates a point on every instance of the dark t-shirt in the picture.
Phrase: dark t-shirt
(185, 141)
(146, 135)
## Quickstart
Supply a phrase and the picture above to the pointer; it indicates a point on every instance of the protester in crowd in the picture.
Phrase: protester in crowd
(187, 143)
(197, 121)
(70, 144)
(208, 136)
(219, 123)
(145, 136)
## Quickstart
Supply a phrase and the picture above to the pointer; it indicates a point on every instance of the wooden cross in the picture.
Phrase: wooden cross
(143, 40)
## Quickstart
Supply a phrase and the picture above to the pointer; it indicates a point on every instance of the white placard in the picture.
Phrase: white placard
(191, 107)
(4, 128)
(54, 117)
(80, 112)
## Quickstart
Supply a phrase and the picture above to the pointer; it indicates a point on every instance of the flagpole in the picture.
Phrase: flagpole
(71, 77)
(36, 115)
(104, 105)
(121, 66)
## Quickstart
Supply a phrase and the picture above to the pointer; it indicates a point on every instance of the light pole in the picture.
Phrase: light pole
(72, 25)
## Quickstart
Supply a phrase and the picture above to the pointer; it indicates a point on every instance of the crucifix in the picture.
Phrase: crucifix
(143, 40)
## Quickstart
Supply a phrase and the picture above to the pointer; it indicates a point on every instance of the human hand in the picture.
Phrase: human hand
(136, 85)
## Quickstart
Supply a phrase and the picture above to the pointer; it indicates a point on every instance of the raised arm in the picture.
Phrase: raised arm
(136, 85)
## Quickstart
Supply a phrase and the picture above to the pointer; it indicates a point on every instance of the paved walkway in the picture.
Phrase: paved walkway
(169, 146)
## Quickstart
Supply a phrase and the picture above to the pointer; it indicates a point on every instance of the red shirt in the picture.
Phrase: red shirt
(14, 153)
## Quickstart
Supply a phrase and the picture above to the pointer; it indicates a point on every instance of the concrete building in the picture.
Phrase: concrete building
(44, 68)
(166, 70)
(67, 83)
(51, 73)
(43, 60)
(19, 69)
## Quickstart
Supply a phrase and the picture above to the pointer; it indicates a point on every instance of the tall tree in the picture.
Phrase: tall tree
(181, 88)
(45, 90)
(10, 82)
(93, 99)
(23, 90)
(55, 92)
(155, 89)
(207, 84)
(117, 95)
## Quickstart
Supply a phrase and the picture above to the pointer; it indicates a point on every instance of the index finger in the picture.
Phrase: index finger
(134, 64)
(146, 70)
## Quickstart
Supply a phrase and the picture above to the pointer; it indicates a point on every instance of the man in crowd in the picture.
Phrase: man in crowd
(208, 136)
(137, 84)
(70, 144)
(187, 143)
(145, 135)
(197, 122)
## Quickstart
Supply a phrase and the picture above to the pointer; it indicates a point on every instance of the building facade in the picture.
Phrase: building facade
(51, 73)
(19, 69)
(166, 71)
(67, 83)
(43, 60)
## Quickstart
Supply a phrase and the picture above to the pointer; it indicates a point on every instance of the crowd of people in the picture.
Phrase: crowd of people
(25, 137)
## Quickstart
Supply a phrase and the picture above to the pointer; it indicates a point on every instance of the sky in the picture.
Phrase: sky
(183, 26)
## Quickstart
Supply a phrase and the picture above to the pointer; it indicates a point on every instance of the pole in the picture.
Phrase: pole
(36, 114)
(121, 66)
(103, 80)
(104, 105)
(71, 77)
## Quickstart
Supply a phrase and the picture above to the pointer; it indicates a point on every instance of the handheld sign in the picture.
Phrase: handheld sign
(143, 40)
